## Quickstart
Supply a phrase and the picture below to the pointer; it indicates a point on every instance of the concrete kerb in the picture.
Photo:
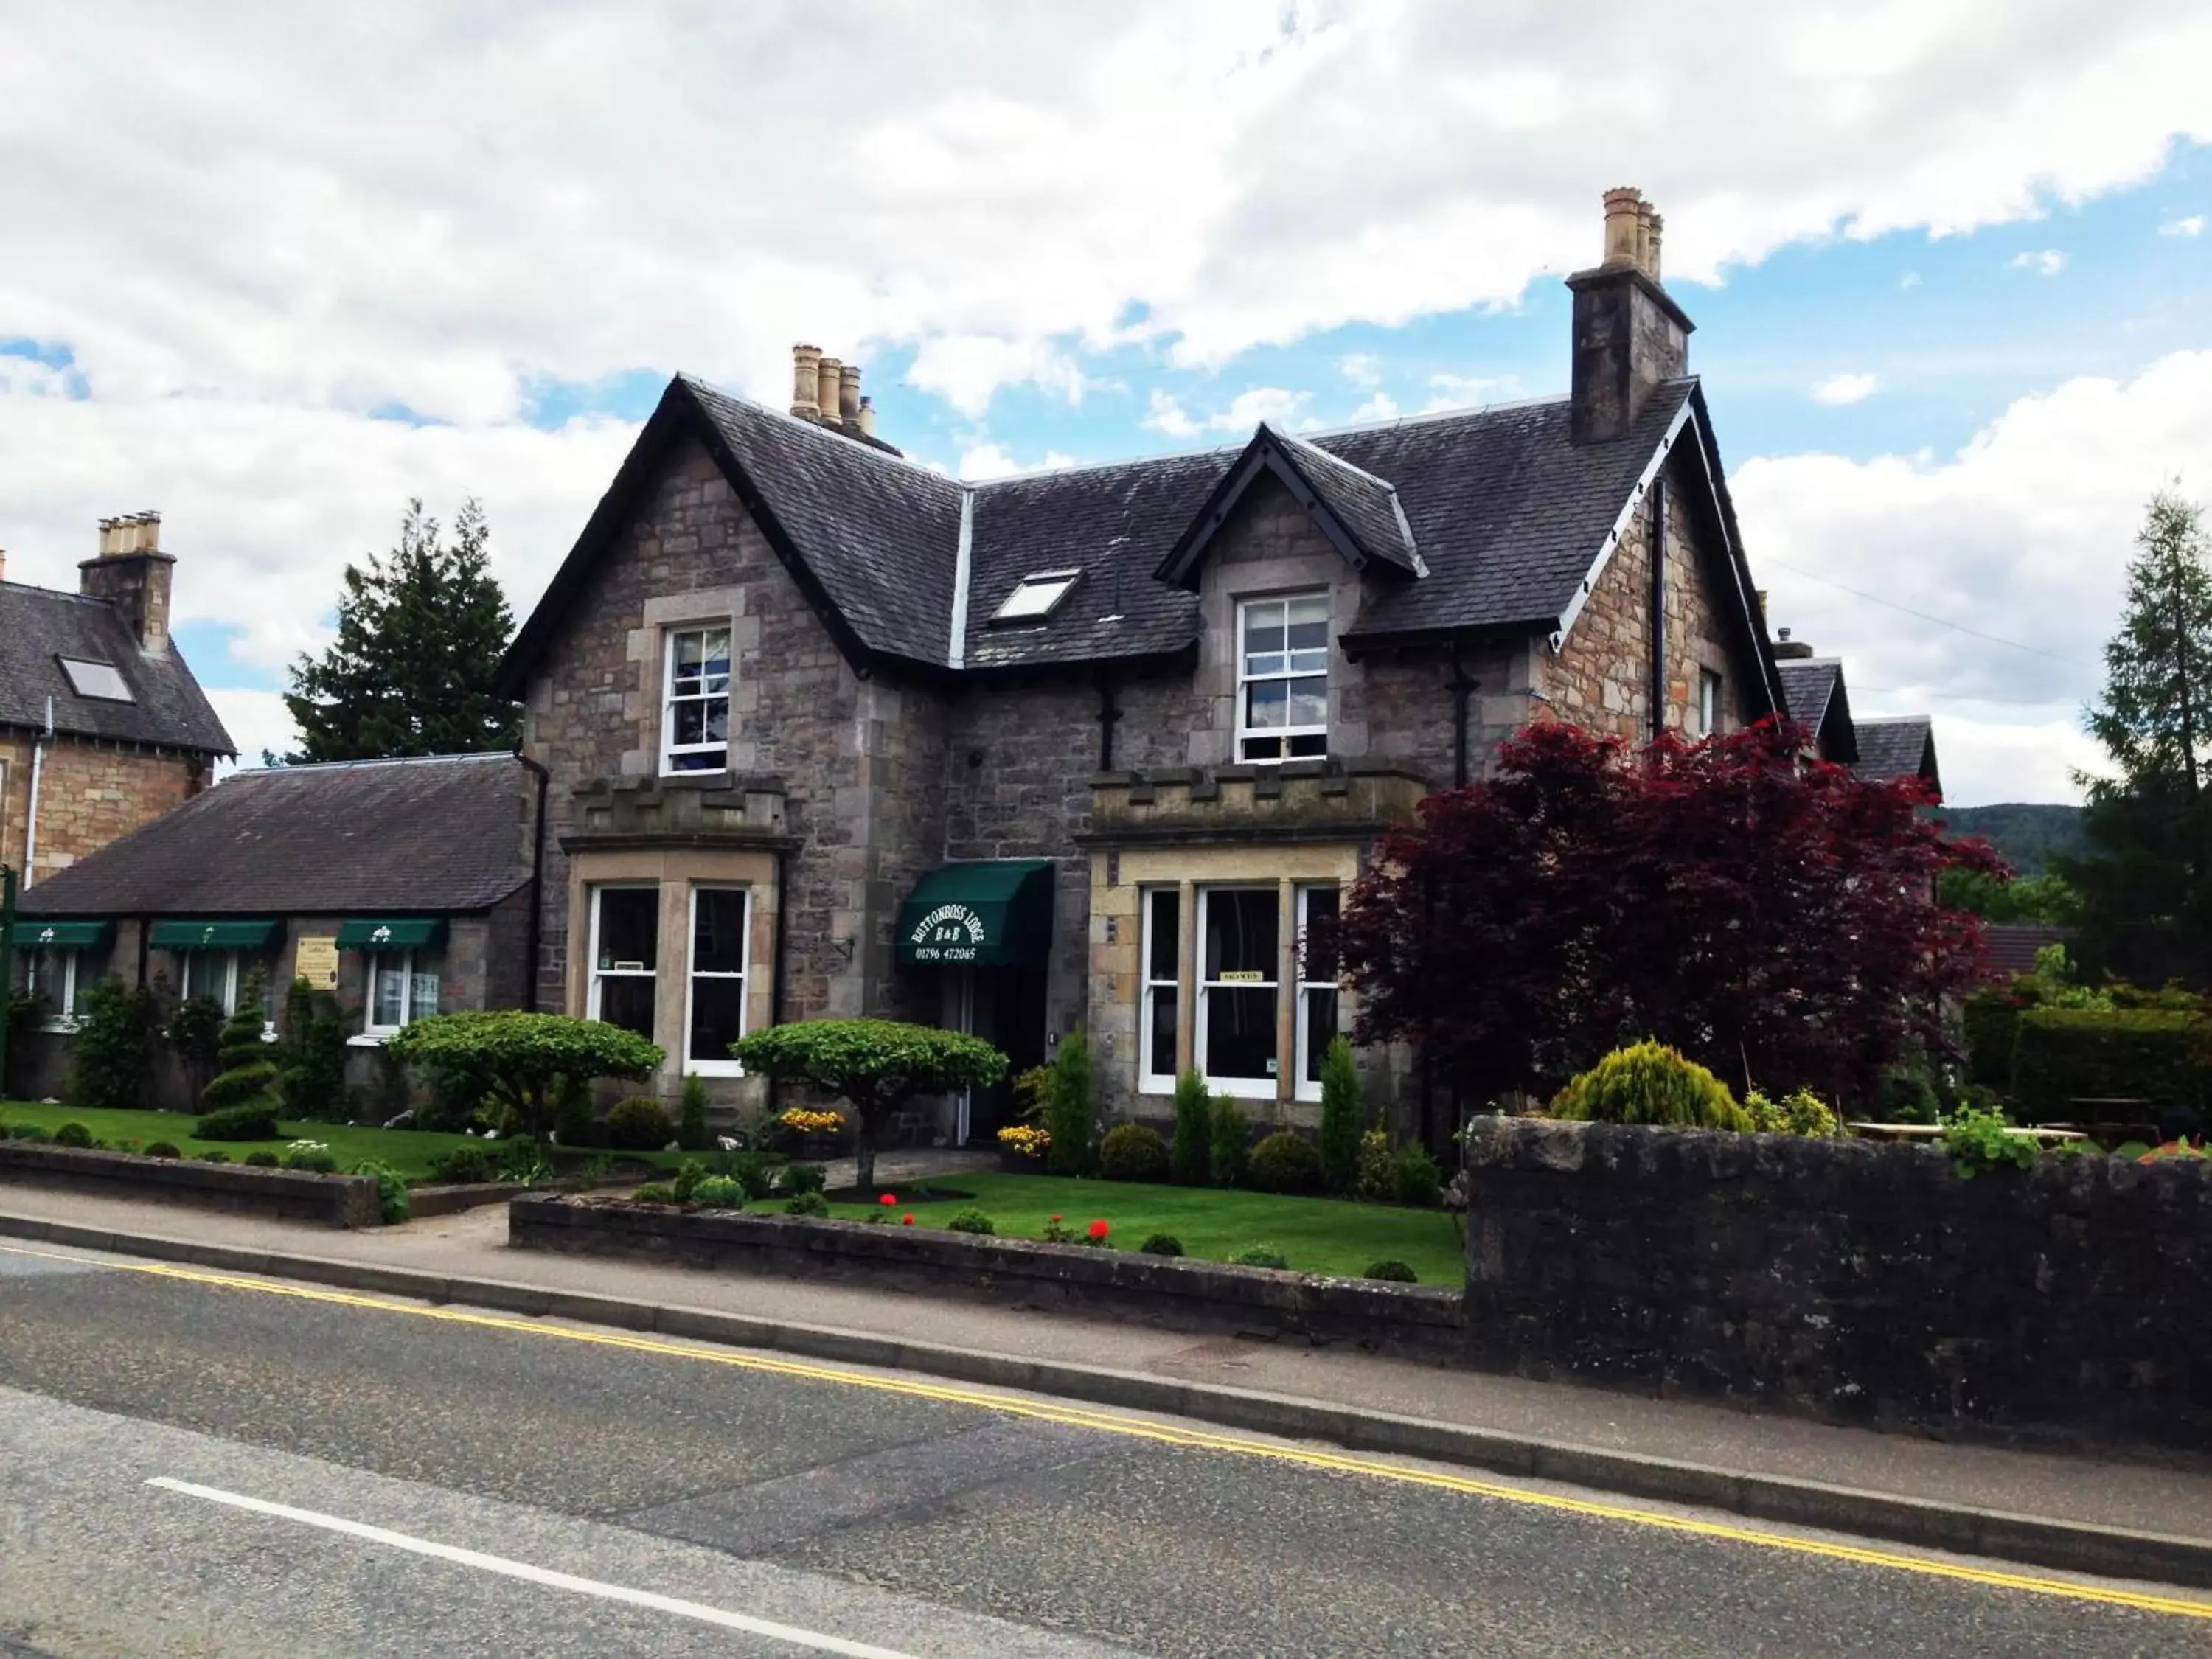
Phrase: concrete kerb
(2067, 1546)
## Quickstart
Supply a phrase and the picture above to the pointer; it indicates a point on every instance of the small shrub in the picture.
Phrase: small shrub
(1373, 1182)
(311, 1156)
(73, 1134)
(1228, 1143)
(808, 1203)
(311, 1059)
(689, 1174)
(972, 1220)
(249, 1122)
(163, 1149)
(1190, 1154)
(798, 1180)
(1259, 1255)
(521, 1162)
(1339, 1117)
(1161, 1244)
(1392, 1273)
(755, 1179)
(111, 1055)
(464, 1166)
(1285, 1163)
(692, 1122)
(1031, 1090)
(1414, 1177)
(218, 1156)
(1650, 1082)
(391, 1191)
(573, 1124)
(640, 1124)
(1132, 1151)
(1984, 1140)
(1905, 1093)
(1803, 1113)
(261, 1159)
(1057, 1231)
(1068, 1111)
(654, 1192)
(718, 1193)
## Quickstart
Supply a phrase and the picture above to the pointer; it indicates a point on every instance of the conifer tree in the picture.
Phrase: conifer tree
(248, 1073)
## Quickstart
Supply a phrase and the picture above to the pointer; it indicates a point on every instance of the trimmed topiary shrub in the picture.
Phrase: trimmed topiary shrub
(1229, 1142)
(1161, 1244)
(73, 1134)
(248, 1073)
(1650, 1082)
(260, 1158)
(2065, 1054)
(218, 1156)
(1190, 1153)
(1259, 1255)
(1068, 1110)
(1339, 1144)
(516, 1060)
(640, 1124)
(311, 1058)
(691, 1121)
(248, 1123)
(1373, 1181)
(1391, 1271)
(971, 1221)
(718, 1193)
(1414, 1177)
(1285, 1163)
(1132, 1151)
(809, 1203)
(1803, 1113)
(163, 1149)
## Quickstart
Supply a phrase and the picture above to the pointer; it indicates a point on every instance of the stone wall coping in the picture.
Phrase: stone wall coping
(345, 1200)
(737, 784)
(1240, 772)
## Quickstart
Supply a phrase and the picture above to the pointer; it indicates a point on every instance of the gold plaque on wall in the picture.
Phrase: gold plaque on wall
(317, 962)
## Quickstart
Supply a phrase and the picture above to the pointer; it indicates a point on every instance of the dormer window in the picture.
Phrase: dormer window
(95, 679)
(1035, 597)
(695, 727)
(1282, 678)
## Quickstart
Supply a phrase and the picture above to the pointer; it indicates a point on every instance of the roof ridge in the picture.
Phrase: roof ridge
(820, 432)
(381, 760)
(1421, 416)
(56, 592)
(1335, 460)
(1029, 474)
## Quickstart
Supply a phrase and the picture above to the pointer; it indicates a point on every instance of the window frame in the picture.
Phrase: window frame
(596, 976)
(407, 958)
(692, 975)
(1041, 604)
(1152, 1077)
(228, 996)
(671, 751)
(64, 1017)
(1307, 1088)
(1264, 1087)
(1709, 702)
(1286, 736)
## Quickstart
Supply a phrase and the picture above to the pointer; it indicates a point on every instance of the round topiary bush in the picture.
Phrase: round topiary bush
(261, 1159)
(1132, 1151)
(1259, 1255)
(640, 1124)
(1161, 1244)
(464, 1166)
(654, 1192)
(808, 1204)
(972, 1221)
(1394, 1273)
(250, 1122)
(1285, 1163)
(73, 1134)
(218, 1156)
(1650, 1082)
(163, 1148)
(718, 1193)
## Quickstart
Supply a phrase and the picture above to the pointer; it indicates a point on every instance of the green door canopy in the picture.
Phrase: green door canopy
(31, 934)
(393, 933)
(995, 914)
(212, 935)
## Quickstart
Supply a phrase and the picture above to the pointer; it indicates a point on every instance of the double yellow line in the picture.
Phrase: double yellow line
(1199, 1440)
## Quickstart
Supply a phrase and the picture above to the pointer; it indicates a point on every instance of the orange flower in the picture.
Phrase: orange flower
(910, 1218)
(1099, 1230)
(889, 1201)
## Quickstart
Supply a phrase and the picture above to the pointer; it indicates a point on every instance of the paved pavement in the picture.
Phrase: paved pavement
(192, 1464)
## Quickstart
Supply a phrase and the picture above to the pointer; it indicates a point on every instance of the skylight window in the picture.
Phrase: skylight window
(1035, 597)
(95, 679)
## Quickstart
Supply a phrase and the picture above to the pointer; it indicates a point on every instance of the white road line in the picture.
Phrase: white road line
(524, 1571)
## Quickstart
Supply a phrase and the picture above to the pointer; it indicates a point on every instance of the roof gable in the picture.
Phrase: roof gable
(40, 628)
(1814, 698)
(1902, 747)
(1358, 512)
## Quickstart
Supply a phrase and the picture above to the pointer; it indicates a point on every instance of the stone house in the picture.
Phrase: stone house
(830, 733)
(1881, 750)
(404, 887)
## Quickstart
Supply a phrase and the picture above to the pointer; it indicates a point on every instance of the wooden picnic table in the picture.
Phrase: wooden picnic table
(1930, 1130)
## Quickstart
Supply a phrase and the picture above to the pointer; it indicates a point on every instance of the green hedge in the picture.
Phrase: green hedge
(2065, 1054)
(1992, 1023)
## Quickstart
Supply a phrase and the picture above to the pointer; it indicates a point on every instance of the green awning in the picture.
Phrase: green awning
(212, 935)
(32, 934)
(994, 915)
(392, 933)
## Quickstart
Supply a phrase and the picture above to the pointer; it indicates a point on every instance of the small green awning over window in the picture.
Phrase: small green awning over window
(31, 934)
(212, 935)
(994, 915)
(392, 933)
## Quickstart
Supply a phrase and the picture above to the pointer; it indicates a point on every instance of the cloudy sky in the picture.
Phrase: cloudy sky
(272, 270)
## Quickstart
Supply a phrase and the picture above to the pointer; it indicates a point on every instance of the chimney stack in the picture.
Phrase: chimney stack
(132, 574)
(1788, 650)
(805, 381)
(867, 417)
(1630, 336)
(832, 388)
(849, 395)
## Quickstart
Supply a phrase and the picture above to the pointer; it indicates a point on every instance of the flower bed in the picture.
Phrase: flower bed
(338, 1200)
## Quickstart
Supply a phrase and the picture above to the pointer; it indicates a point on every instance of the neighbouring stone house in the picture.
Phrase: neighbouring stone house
(830, 733)
(401, 886)
(1880, 751)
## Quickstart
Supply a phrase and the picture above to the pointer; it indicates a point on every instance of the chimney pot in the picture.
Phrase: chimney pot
(1653, 225)
(805, 381)
(848, 394)
(1623, 227)
(1630, 336)
(867, 417)
(831, 387)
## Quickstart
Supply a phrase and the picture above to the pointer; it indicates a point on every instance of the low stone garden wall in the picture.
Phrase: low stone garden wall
(1847, 1280)
(1178, 1294)
(334, 1200)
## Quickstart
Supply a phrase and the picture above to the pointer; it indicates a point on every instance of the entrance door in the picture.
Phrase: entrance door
(1006, 1007)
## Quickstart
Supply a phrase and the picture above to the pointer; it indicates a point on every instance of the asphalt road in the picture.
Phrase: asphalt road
(192, 1466)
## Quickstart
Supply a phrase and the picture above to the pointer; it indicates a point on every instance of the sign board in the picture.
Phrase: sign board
(317, 962)
(951, 933)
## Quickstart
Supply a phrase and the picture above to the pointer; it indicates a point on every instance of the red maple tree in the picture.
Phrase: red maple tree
(1772, 916)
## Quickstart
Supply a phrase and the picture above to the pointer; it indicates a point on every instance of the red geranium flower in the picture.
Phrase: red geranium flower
(889, 1201)
(1058, 1218)
(1099, 1230)
(910, 1218)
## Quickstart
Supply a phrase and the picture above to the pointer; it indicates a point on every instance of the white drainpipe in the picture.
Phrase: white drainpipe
(38, 767)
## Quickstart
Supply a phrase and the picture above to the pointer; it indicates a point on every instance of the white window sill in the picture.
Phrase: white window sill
(1243, 1088)
(1156, 1085)
(370, 1039)
(713, 1068)
(64, 1027)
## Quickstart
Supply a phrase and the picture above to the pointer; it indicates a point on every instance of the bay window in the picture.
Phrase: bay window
(1316, 1015)
(1239, 935)
(625, 956)
(715, 1014)
(1282, 678)
(1162, 995)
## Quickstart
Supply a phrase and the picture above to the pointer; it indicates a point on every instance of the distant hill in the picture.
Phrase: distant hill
(2028, 836)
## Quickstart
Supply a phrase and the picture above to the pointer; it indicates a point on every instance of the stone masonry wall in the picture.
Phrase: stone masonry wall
(1601, 678)
(89, 794)
(1846, 1279)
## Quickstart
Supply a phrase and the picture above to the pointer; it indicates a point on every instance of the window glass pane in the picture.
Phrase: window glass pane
(1313, 743)
(1309, 702)
(424, 1000)
(690, 720)
(1240, 1031)
(700, 760)
(1266, 748)
(715, 657)
(1308, 619)
(1320, 907)
(626, 1000)
(690, 654)
(1161, 1056)
(718, 719)
(1241, 933)
(388, 987)
(1263, 629)
(718, 934)
(630, 924)
(1320, 1026)
(1266, 704)
(718, 1017)
(1166, 958)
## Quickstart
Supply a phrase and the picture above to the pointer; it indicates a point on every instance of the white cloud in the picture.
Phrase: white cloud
(2192, 225)
(1471, 391)
(1911, 279)
(1362, 368)
(2025, 534)
(1380, 407)
(1844, 389)
(1272, 404)
(2046, 262)
(984, 461)
(1166, 415)
(258, 723)
(1986, 759)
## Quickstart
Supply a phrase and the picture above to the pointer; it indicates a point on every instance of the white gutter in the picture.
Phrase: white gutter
(963, 567)
(38, 768)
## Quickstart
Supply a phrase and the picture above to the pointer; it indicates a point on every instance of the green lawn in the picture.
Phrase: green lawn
(1315, 1235)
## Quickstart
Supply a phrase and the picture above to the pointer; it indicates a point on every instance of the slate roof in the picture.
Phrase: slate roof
(2010, 946)
(1904, 747)
(1814, 692)
(1503, 514)
(38, 626)
(382, 837)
